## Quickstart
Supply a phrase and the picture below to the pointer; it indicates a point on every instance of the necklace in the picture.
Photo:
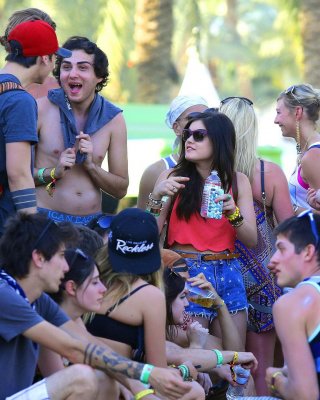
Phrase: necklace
(305, 148)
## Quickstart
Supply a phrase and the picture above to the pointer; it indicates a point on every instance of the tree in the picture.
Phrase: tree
(153, 35)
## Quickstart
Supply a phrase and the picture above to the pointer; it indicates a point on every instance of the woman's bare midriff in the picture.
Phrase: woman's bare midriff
(188, 247)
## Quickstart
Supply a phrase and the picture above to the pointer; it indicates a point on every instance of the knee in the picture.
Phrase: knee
(84, 381)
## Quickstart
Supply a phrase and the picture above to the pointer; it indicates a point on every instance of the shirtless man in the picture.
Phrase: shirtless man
(77, 128)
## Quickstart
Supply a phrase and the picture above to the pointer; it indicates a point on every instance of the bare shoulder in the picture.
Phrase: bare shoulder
(242, 179)
(152, 292)
(273, 169)
(43, 103)
(154, 169)
(117, 124)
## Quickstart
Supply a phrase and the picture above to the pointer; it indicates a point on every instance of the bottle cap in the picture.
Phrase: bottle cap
(242, 374)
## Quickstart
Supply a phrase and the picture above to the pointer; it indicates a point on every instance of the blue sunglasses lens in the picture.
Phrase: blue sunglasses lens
(105, 221)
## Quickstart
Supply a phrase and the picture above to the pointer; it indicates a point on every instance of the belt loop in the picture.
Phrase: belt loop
(199, 258)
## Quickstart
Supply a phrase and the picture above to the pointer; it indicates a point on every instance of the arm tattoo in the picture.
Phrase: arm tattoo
(109, 361)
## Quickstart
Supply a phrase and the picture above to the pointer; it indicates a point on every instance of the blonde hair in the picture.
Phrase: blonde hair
(28, 14)
(304, 95)
(245, 124)
(119, 284)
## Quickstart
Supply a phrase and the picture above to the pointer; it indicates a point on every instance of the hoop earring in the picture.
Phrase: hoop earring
(298, 145)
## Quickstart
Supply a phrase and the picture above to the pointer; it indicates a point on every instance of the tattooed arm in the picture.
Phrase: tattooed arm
(76, 349)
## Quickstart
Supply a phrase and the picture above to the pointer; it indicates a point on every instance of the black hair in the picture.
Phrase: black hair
(100, 59)
(23, 234)
(173, 285)
(222, 135)
(71, 234)
(90, 241)
(16, 56)
(298, 231)
(81, 266)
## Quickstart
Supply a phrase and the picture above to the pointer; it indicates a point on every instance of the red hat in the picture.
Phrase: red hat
(37, 38)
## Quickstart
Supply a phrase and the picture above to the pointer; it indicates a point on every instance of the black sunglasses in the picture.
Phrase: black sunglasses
(42, 234)
(198, 134)
(245, 99)
(290, 92)
(206, 113)
(105, 221)
(312, 223)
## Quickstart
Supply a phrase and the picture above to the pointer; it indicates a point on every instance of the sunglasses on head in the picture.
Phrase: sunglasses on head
(105, 221)
(290, 92)
(197, 134)
(78, 253)
(312, 224)
(43, 233)
(245, 99)
(206, 113)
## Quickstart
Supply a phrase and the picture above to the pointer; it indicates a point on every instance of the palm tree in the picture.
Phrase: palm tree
(310, 32)
(153, 36)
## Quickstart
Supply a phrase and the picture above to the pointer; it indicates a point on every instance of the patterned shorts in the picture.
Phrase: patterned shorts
(38, 391)
(225, 276)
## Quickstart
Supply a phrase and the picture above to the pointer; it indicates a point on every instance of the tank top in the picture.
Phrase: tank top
(169, 161)
(314, 338)
(298, 187)
(202, 233)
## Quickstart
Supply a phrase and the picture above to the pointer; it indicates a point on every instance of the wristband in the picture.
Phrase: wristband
(184, 371)
(234, 215)
(143, 393)
(146, 372)
(24, 198)
(273, 380)
(219, 357)
(50, 188)
(40, 175)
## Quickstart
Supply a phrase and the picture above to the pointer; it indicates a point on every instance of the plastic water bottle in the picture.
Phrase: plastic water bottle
(242, 377)
(211, 190)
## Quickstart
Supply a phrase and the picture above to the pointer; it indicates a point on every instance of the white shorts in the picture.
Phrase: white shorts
(38, 391)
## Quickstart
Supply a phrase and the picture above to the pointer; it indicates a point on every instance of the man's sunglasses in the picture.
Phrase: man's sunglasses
(105, 221)
(312, 224)
(43, 233)
(245, 99)
(290, 92)
(198, 134)
(206, 113)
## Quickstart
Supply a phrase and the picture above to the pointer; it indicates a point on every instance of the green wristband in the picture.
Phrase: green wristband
(40, 175)
(219, 357)
(145, 374)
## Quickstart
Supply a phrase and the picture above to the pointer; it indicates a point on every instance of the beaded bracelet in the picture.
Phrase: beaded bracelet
(145, 373)
(153, 201)
(237, 222)
(40, 175)
(219, 357)
(143, 393)
(234, 215)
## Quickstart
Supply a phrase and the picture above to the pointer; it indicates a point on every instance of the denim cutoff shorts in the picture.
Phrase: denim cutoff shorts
(225, 276)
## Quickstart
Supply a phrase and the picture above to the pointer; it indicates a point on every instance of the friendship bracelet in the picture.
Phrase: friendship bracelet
(232, 364)
(237, 222)
(40, 175)
(50, 188)
(219, 357)
(154, 211)
(146, 372)
(143, 393)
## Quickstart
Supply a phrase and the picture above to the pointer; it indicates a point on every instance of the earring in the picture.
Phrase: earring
(298, 145)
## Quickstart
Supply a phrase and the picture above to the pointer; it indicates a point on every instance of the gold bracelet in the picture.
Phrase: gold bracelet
(143, 393)
(273, 380)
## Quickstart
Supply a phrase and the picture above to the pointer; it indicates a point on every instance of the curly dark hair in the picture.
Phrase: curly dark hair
(100, 61)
